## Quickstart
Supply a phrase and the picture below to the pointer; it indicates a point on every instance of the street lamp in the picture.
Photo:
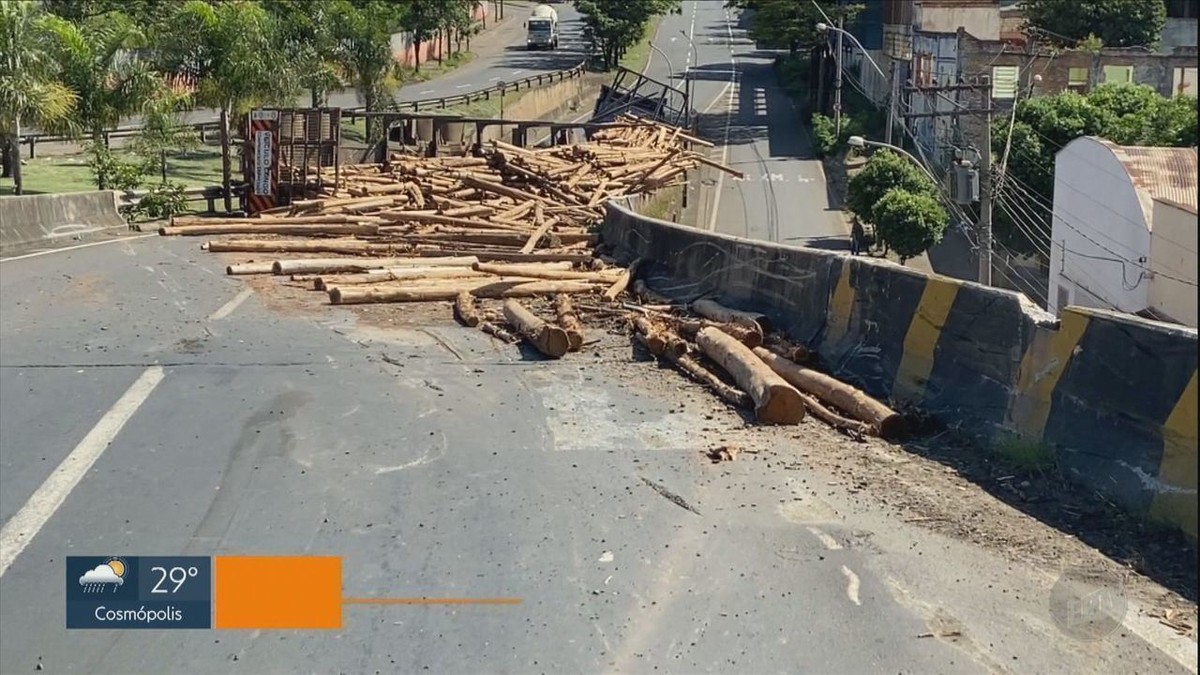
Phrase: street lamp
(691, 85)
(860, 142)
(824, 27)
(670, 67)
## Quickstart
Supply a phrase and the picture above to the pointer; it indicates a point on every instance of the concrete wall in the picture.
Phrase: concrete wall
(561, 101)
(406, 53)
(980, 18)
(1177, 33)
(1173, 249)
(34, 219)
(1114, 397)
(1095, 203)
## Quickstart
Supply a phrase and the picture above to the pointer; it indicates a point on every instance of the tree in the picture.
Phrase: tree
(792, 25)
(883, 172)
(30, 91)
(613, 26)
(309, 41)
(235, 52)
(164, 133)
(98, 60)
(364, 37)
(909, 223)
(1126, 114)
(1118, 23)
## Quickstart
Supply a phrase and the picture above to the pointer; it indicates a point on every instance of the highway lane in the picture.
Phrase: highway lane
(783, 196)
(485, 475)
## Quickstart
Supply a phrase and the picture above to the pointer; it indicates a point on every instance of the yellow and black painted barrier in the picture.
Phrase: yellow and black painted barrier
(1113, 397)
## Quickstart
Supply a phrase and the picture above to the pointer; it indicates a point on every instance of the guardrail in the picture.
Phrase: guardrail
(206, 193)
(352, 113)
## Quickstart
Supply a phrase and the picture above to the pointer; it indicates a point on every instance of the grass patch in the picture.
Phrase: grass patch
(432, 69)
(664, 204)
(1026, 454)
(70, 173)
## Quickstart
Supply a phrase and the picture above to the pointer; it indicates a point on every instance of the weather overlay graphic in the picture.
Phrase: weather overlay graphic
(221, 592)
(139, 592)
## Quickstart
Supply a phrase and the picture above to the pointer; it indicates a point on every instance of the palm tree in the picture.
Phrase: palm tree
(235, 53)
(364, 34)
(99, 62)
(29, 89)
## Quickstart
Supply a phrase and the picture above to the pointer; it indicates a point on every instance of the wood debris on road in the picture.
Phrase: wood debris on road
(516, 227)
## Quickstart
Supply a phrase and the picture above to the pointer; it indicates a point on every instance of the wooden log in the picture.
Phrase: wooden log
(500, 189)
(345, 246)
(505, 256)
(377, 276)
(498, 332)
(269, 226)
(622, 281)
(265, 267)
(660, 340)
(465, 310)
(885, 422)
(643, 292)
(532, 242)
(543, 272)
(711, 309)
(689, 328)
(198, 221)
(549, 339)
(833, 419)
(693, 369)
(568, 320)
(491, 289)
(335, 265)
(787, 349)
(775, 401)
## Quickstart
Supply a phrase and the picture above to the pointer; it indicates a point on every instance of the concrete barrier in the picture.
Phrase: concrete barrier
(34, 219)
(1111, 396)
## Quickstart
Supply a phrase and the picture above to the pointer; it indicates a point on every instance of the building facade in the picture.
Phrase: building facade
(1105, 252)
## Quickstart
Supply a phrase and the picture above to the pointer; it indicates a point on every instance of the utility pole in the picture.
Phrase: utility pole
(837, 84)
(985, 160)
(985, 192)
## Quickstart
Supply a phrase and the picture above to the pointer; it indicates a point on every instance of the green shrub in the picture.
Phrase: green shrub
(161, 202)
(825, 141)
(111, 172)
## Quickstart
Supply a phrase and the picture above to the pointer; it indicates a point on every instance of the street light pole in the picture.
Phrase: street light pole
(859, 141)
(666, 58)
(823, 27)
(985, 193)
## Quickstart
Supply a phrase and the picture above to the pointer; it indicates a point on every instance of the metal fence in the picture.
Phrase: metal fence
(204, 128)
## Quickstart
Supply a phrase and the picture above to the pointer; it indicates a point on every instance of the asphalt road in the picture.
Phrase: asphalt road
(783, 196)
(439, 463)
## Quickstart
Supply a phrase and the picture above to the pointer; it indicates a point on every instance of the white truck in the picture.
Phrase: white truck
(543, 28)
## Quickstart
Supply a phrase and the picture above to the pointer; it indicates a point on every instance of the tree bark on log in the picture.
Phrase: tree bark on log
(344, 246)
(498, 332)
(265, 267)
(269, 226)
(465, 310)
(775, 401)
(335, 219)
(336, 265)
(354, 295)
(647, 296)
(660, 340)
(543, 272)
(717, 312)
(623, 281)
(322, 283)
(547, 338)
(885, 422)
(568, 320)
(689, 328)
(692, 368)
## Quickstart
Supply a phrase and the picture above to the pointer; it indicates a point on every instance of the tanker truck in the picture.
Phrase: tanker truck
(543, 28)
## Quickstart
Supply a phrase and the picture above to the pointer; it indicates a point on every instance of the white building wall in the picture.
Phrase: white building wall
(1098, 220)
(1173, 253)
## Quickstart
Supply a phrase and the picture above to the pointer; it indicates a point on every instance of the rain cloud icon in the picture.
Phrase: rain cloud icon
(98, 578)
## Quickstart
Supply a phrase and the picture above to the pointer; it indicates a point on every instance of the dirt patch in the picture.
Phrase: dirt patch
(88, 289)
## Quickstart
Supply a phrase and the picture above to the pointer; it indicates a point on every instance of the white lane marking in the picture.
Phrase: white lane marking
(427, 91)
(76, 247)
(851, 585)
(464, 86)
(228, 308)
(518, 72)
(712, 219)
(829, 542)
(20, 530)
(493, 79)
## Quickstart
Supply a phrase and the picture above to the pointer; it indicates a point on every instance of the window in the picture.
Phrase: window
(1004, 81)
(1118, 74)
(1185, 82)
(1077, 79)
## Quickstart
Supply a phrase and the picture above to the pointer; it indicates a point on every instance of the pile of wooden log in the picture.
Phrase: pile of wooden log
(513, 225)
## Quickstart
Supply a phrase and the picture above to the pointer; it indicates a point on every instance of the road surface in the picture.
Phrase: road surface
(783, 197)
(223, 418)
